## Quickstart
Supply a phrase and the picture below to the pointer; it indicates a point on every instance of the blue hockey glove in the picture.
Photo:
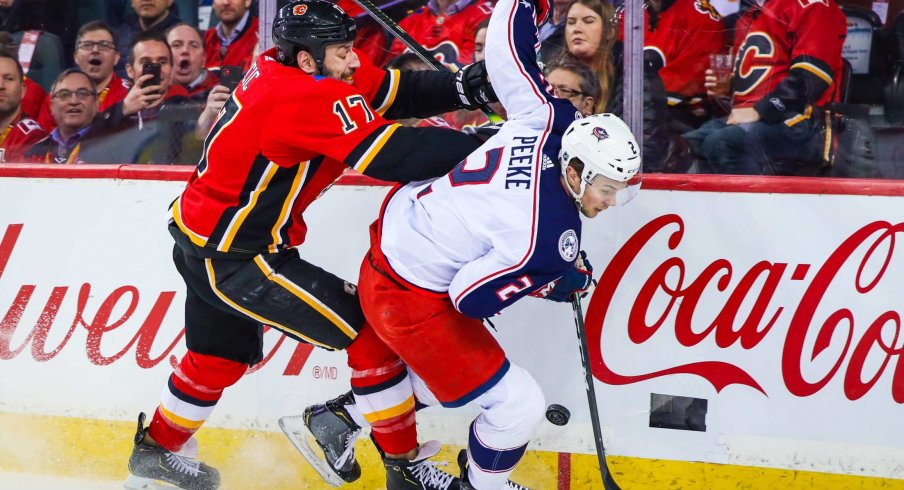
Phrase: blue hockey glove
(576, 280)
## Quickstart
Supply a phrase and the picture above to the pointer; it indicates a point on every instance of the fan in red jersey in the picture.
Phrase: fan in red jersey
(19, 133)
(787, 66)
(446, 29)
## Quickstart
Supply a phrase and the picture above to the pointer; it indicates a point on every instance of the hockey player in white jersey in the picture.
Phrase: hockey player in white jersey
(504, 224)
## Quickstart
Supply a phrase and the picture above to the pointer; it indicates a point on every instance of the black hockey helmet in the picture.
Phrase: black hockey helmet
(310, 25)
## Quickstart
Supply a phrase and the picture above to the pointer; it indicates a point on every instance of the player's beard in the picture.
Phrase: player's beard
(343, 76)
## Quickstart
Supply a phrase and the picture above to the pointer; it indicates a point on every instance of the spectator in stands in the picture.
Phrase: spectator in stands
(590, 38)
(74, 107)
(552, 33)
(19, 132)
(446, 28)
(149, 16)
(788, 64)
(187, 45)
(233, 40)
(575, 82)
(480, 41)
(166, 106)
(96, 55)
(144, 101)
(681, 35)
(35, 96)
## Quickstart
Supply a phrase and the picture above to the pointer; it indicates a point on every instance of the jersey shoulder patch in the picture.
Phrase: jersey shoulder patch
(28, 125)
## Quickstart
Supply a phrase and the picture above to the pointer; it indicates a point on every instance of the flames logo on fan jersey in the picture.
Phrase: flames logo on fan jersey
(299, 9)
(705, 7)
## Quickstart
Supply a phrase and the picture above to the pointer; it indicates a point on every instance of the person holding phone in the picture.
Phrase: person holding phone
(150, 67)
(187, 45)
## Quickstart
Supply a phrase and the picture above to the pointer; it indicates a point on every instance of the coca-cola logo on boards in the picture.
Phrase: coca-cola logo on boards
(869, 250)
(123, 298)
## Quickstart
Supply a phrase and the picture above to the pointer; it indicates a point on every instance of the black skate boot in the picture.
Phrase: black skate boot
(466, 484)
(332, 429)
(418, 474)
(153, 467)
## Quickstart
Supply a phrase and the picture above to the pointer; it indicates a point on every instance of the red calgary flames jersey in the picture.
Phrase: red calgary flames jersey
(685, 35)
(18, 138)
(449, 37)
(239, 53)
(282, 138)
(785, 35)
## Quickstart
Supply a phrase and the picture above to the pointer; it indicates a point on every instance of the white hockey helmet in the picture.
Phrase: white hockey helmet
(605, 145)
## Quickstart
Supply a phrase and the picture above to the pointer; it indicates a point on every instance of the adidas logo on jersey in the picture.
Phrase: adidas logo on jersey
(547, 162)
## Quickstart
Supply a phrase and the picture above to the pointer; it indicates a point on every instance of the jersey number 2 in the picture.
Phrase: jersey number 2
(343, 108)
(461, 176)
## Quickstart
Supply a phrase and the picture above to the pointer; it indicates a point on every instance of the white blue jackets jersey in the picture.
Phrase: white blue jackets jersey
(501, 224)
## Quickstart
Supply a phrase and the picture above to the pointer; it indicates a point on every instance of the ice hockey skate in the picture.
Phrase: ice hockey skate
(155, 468)
(466, 485)
(325, 435)
(420, 472)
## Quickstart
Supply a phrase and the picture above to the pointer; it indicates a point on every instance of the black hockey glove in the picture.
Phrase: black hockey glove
(473, 86)
(482, 133)
(576, 280)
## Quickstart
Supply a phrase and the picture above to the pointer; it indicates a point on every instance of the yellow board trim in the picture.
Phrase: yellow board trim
(392, 411)
(63, 446)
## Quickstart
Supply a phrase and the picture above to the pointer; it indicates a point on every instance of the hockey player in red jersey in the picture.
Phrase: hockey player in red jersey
(787, 66)
(18, 132)
(446, 28)
(309, 109)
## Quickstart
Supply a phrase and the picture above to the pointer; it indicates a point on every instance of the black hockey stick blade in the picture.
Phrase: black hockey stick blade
(608, 481)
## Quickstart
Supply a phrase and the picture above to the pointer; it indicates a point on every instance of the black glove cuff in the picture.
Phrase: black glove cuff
(473, 86)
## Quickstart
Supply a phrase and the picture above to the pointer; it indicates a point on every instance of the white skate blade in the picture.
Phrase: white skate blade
(300, 437)
(139, 483)
(426, 450)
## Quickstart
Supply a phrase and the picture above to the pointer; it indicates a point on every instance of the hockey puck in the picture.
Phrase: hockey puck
(557, 414)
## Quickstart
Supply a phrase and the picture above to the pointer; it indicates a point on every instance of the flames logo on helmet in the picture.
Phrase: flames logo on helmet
(299, 9)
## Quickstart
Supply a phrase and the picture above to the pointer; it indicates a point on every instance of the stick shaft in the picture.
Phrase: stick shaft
(608, 481)
(415, 47)
(399, 33)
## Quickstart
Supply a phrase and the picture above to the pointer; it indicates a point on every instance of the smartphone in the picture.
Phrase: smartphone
(154, 70)
(230, 76)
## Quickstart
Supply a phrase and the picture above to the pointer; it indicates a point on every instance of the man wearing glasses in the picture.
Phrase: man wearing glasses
(575, 82)
(96, 55)
(73, 103)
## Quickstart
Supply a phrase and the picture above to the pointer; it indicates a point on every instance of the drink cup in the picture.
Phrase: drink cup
(722, 65)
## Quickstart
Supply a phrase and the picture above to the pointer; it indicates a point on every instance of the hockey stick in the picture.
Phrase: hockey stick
(399, 33)
(415, 47)
(608, 481)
